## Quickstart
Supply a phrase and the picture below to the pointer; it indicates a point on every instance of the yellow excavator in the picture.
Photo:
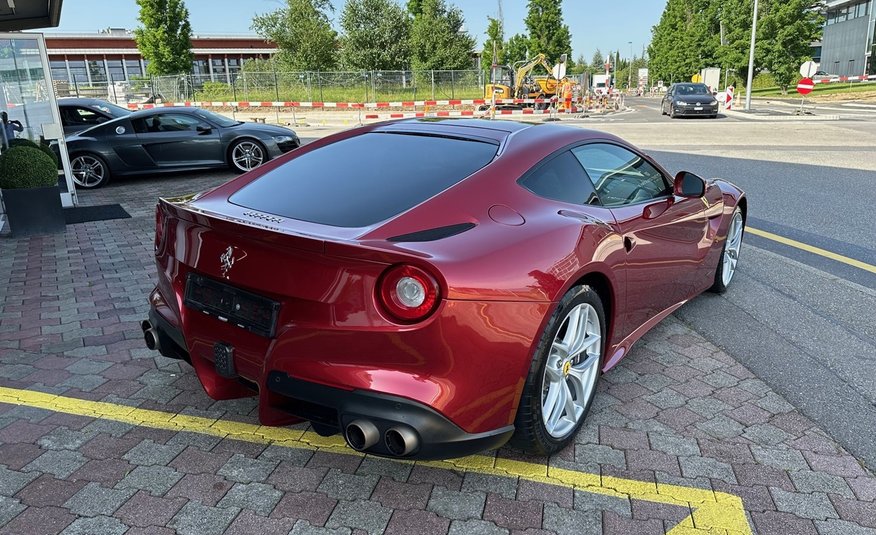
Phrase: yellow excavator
(518, 82)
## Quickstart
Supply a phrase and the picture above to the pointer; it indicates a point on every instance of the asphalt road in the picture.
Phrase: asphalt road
(803, 323)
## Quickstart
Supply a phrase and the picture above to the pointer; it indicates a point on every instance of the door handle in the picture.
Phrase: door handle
(629, 243)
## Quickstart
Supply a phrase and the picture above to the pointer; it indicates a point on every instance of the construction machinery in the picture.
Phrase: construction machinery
(519, 83)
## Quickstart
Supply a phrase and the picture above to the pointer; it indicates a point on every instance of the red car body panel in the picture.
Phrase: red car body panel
(499, 281)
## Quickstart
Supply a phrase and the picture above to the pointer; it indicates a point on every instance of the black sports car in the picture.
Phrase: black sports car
(172, 139)
(78, 114)
(689, 99)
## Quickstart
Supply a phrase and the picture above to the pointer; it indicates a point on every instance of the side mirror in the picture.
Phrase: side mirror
(203, 129)
(688, 185)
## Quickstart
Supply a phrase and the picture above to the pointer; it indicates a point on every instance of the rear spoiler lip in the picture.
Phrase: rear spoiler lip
(372, 250)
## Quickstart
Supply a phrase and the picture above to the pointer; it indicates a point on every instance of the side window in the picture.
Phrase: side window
(619, 175)
(80, 116)
(87, 116)
(561, 179)
(166, 122)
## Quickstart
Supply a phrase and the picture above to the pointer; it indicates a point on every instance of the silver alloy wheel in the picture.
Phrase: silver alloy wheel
(247, 155)
(88, 171)
(571, 371)
(731, 249)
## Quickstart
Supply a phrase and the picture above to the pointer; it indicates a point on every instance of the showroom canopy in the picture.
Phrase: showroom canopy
(29, 14)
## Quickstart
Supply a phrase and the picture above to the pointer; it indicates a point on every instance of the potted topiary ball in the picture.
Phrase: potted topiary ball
(42, 145)
(29, 184)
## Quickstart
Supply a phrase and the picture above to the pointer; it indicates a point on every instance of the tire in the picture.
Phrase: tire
(671, 111)
(729, 259)
(543, 431)
(662, 108)
(246, 154)
(90, 171)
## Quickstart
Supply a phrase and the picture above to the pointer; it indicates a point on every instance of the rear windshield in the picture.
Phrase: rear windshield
(364, 179)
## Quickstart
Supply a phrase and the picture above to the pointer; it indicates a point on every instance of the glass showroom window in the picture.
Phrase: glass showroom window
(116, 72)
(133, 66)
(97, 71)
(26, 96)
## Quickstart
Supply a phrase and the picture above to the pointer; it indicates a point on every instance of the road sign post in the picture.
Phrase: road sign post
(808, 69)
(804, 87)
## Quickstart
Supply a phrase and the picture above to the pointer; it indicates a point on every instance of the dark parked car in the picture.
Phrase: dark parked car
(78, 114)
(172, 139)
(445, 285)
(823, 75)
(689, 99)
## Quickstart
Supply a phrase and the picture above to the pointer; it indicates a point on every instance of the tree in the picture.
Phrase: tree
(735, 16)
(165, 37)
(547, 33)
(494, 45)
(376, 35)
(598, 62)
(438, 39)
(516, 49)
(415, 7)
(789, 26)
(303, 32)
(687, 38)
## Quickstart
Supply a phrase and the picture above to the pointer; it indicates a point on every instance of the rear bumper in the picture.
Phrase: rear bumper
(430, 381)
(331, 409)
(334, 409)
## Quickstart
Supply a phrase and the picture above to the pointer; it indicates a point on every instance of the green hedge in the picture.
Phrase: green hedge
(763, 81)
(27, 167)
(24, 142)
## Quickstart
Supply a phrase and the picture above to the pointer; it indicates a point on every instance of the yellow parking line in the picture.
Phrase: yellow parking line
(812, 249)
(711, 511)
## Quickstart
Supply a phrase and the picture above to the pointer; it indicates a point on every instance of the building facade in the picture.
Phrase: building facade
(847, 47)
(112, 56)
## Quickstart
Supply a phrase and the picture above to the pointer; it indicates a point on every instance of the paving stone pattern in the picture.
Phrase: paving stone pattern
(678, 410)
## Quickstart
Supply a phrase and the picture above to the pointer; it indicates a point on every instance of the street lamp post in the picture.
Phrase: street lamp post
(630, 81)
(751, 59)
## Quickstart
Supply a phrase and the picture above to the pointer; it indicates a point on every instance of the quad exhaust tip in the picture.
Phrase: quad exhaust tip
(362, 434)
(401, 441)
(150, 335)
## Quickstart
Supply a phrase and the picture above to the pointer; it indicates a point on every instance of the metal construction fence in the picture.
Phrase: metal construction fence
(352, 86)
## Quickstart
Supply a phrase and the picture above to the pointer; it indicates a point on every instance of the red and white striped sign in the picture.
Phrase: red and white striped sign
(805, 86)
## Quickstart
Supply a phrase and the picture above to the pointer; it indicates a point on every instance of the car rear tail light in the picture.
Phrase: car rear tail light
(408, 293)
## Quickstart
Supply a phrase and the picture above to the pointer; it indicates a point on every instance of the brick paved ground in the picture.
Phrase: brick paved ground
(678, 411)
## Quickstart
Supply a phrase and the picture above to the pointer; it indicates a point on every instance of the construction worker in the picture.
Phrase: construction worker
(566, 100)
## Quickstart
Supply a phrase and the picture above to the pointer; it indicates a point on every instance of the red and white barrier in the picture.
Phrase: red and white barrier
(465, 113)
(862, 78)
(337, 105)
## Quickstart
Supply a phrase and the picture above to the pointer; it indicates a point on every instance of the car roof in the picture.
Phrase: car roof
(81, 101)
(164, 109)
(473, 129)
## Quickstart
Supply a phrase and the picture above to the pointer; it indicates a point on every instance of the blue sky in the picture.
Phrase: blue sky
(607, 25)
